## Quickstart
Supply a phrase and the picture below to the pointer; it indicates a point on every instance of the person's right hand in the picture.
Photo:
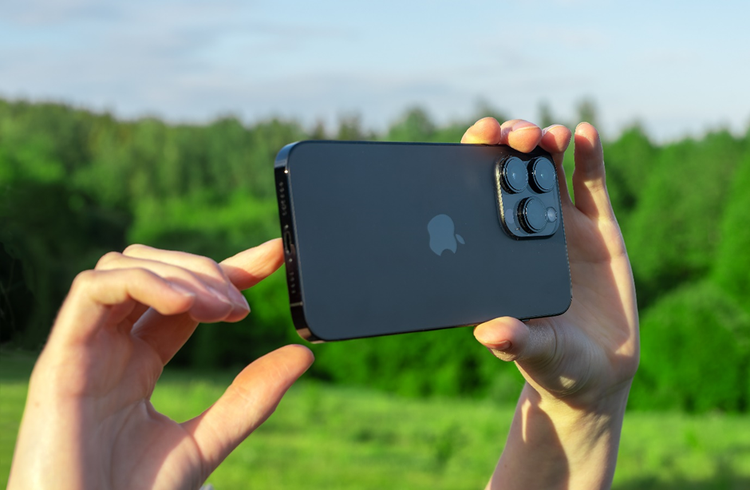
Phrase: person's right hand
(578, 366)
(89, 422)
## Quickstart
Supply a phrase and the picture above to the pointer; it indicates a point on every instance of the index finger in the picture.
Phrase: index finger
(167, 335)
(518, 134)
(248, 268)
(555, 140)
(99, 298)
(524, 136)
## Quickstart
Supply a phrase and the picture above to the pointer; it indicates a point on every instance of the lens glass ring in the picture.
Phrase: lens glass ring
(532, 214)
(542, 175)
(515, 176)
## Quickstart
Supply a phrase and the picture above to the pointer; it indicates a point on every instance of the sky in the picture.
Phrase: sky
(677, 67)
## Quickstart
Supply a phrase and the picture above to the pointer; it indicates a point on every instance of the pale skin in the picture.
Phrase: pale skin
(88, 421)
(578, 366)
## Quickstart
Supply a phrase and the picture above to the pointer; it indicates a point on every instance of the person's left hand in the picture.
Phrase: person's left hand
(578, 366)
(587, 356)
(88, 421)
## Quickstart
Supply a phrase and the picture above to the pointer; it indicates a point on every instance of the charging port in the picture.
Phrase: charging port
(288, 243)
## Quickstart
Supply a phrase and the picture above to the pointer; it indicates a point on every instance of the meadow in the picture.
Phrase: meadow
(334, 437)
(427, 410)
(75, 184)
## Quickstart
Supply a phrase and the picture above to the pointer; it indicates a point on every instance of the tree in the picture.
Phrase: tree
(51, 233)
(732, 266)
(674, 230)
(414, 125)
(546, 118)
(319, 131)
(587, 112)
(695, 347)
(350, 128)
(630, 160)
(484, 108)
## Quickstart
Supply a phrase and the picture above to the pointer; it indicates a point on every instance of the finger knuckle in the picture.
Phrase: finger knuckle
(135, 249)
(141, 274)
(84, 279)
(209, 266)
(107, 259)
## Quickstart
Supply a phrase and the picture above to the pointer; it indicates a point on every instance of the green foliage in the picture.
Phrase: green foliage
(74, 185)
(485, 109)
(50, 233)
(674, 230)
(446, 362)
(350, 129)
(415, 125)
(587, 111)
(732, 266)
(545, 115)
(629, 161)
(695, 346)
(354, 438)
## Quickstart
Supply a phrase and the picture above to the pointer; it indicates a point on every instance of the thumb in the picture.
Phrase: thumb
(247, 403)
(512, 340)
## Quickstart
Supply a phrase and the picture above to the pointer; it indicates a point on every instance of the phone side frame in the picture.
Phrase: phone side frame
(289, 239)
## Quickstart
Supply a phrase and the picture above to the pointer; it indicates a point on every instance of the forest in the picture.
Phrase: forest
(75, 184)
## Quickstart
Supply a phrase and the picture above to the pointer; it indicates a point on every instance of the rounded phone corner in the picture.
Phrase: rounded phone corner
(565, 303)
(568, 304)
(282, 157)
(303, 329)
(307, 335)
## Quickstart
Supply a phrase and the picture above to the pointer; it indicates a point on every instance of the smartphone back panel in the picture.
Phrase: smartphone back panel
(384, 238)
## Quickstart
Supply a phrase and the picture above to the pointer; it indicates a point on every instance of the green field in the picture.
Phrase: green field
(334, 437)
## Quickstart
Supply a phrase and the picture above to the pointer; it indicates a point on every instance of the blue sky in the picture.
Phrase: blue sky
(678, 67)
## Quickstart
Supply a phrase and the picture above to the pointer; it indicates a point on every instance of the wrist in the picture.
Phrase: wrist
(570, 416)
(578, 443)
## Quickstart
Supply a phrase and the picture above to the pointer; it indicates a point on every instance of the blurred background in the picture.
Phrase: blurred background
(158, 122)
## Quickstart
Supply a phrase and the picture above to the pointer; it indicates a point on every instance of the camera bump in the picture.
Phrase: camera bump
(527, 195)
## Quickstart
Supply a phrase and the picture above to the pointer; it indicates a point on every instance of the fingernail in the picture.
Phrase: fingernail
(522, 128)
(238, 299)
(501, 346)
(548, 128)
(221, 297)
(588, 124)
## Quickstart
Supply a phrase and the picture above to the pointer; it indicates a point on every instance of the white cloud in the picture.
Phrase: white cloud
(196, 59)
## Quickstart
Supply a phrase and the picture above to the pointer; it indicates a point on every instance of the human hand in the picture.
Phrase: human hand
(578, 366)
(88, 421)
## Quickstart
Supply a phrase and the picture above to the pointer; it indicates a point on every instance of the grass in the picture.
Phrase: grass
(333, 437)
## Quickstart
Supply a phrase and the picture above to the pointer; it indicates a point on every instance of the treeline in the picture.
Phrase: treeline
(76, 184)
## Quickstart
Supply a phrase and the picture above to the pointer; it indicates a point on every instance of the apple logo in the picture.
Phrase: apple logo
(442, 236)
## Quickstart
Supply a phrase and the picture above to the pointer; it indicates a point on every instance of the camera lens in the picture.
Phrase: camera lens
(542, 175)
(515, 177)
(532, 214)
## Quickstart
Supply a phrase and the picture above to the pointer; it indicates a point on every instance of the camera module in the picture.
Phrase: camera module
(528, 198)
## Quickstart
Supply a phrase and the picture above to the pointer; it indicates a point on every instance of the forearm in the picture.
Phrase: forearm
(553, 445)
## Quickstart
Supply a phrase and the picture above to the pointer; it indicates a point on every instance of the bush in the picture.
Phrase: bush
(694, 352)
(681, 204)
(444, 362)
(732, 265)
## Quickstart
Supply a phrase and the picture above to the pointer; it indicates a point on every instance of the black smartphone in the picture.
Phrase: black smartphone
(384, 238)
